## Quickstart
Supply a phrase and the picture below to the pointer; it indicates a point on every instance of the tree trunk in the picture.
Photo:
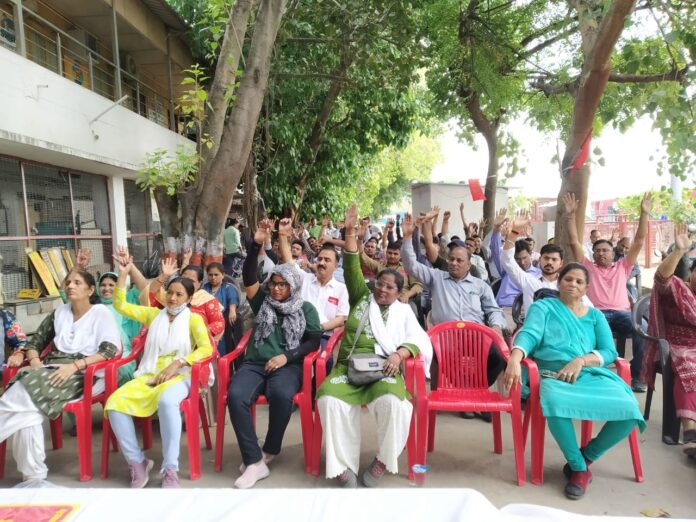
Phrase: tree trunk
(489, 130)
(226, 170)
(319, 128)
(168, 207)
(251, 195)
(598, 45)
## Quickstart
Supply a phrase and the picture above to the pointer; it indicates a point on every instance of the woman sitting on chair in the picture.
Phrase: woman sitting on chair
(176, 339)
(673, 317)
(378, 323)
(286, 329)
(573, 343)
(82, 333)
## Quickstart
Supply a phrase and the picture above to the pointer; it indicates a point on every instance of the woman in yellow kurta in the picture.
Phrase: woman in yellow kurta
(175, 340)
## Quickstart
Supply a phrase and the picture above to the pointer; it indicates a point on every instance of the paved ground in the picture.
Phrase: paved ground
(463, 457)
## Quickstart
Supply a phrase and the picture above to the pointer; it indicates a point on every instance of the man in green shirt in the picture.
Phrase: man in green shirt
(231, 244)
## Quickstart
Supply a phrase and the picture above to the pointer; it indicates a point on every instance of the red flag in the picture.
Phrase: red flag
(583, 153)
(475, 189)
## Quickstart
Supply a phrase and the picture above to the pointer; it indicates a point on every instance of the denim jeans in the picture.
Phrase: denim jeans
(279, 387)
(621, 324)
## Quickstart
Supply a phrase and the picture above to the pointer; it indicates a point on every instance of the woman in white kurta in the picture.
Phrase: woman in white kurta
(82, 333)
(391, 330)
(176, 339)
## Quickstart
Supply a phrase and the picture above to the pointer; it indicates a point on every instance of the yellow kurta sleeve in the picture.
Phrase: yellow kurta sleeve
(199, 339)
(142, 314)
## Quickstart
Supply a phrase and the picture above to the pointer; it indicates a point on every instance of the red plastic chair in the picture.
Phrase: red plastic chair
(461, 349)
(192, 407)
(412, 369)
(538, 423)
(303, 400)
(82, 409)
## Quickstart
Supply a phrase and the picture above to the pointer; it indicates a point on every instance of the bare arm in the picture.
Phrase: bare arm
(681, 246)
(639, 239)
(284, 235)
(445, 223)
(431, 250)
(571, 205)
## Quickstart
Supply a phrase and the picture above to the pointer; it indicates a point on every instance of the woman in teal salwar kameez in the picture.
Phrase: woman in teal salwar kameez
(564, 336)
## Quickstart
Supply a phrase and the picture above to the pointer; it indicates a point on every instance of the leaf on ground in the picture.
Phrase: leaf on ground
(655, 513)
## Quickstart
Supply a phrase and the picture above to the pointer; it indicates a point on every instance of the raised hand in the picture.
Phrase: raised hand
(646, 203)
(169, 267)
(407, 226)
(186, 254)
(285, 228)
(500, 218)
(351, 219)
(681, 237)
(122, 256)
(433, 213)
(446, 215)
(614, 236)
(461, 208)
(570, 203)
(521, 221)
(482, 225)
(263, 231)
(84, 256)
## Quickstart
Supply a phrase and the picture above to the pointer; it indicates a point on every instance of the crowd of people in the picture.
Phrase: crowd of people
(385, 286)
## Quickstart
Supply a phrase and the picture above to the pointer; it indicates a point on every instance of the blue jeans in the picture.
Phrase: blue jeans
(621, 324)
(279, 387)
(170, 427)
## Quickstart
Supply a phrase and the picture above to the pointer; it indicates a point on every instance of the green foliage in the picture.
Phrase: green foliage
(521, 202)
(663, 205)
(206, 20)
(194, 102)
(160, 170)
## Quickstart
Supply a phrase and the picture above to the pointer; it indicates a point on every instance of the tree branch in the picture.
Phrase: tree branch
(553, 26)
(315, 76)
(550, 41)
(675, 75)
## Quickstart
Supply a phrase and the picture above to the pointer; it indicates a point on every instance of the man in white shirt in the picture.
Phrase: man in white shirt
(550, 262)
(328, 296)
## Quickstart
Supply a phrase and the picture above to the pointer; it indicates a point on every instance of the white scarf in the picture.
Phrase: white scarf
(402, 327)
(165, 337)
(87, 333)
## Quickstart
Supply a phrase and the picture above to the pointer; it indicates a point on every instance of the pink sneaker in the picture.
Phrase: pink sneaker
(140, 473)
(252, 474)
(267, 458)
(170, 479)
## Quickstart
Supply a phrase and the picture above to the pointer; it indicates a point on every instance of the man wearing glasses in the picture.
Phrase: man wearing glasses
(607, 289)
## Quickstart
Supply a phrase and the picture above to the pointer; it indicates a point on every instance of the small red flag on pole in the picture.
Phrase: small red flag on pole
(583, 153)
(475, 189)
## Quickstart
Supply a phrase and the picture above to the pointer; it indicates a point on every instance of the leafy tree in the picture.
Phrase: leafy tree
(664, 204)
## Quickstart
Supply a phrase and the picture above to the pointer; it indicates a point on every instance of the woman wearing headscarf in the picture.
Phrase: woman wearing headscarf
(176, 339)
(378, 323)
(82, 333)
(286, 329)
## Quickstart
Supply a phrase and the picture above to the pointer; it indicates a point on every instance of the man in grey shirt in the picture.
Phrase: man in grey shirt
(456, 294)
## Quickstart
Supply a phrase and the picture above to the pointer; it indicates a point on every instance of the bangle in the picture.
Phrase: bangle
(85, 366)
(76, 366)
(514, 231)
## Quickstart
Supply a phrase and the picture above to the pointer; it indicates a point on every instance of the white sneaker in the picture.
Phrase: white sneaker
(252, 474)
(267, 458)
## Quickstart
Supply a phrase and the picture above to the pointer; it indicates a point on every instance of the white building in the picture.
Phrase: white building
(87, 88)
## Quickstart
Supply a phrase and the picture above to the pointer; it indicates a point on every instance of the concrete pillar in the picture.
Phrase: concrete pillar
(117, 212)
(170, 85)
(114, 47)
(18, 14)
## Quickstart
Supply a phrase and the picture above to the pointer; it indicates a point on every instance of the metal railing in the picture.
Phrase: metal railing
(60, 52)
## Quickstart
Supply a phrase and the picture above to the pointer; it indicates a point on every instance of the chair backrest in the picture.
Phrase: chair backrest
(461, 349)
(640, 310)
(517, 310)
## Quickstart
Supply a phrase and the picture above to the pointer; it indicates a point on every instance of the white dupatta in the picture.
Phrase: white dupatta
(401, 327)
(165, 337)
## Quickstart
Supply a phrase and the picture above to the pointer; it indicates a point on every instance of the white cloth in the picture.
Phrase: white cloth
(528, 283)
(401, 327)
(330, 299)
(87, 333)
(480, 264)
(165, 337)
(341, 424)
(20, 417)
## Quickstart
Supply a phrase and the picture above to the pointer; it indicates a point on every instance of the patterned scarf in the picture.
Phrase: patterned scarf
(291, 310)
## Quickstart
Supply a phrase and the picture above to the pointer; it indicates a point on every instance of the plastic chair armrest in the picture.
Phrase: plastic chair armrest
(89, 378)
(307, 371)
(224, 362)
(320, 365)
(533, 371)
(623, 369)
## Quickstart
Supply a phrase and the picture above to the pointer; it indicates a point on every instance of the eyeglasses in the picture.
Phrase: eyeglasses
(384, 286)
(280, 285)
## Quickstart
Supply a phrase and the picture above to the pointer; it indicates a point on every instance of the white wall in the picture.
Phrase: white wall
(448, 196)
(45, 117)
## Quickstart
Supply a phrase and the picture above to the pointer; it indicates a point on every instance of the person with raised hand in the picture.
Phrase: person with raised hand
(285, 330)
(673, 317)
(176, 339)
(609, 293)
(379, 324)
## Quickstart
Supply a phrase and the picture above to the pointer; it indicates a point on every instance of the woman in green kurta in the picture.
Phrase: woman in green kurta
(390, 330)
(573, 343)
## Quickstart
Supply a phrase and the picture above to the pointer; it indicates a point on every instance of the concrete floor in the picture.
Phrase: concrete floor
(463, 457)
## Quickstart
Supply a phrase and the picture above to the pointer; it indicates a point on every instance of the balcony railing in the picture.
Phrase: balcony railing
(60, 52)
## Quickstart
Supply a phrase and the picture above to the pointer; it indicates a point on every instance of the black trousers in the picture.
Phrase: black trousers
(279, 387)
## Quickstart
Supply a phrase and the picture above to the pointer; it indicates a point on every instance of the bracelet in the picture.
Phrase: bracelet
(514, 231)
(76, 366)
(85, 366)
